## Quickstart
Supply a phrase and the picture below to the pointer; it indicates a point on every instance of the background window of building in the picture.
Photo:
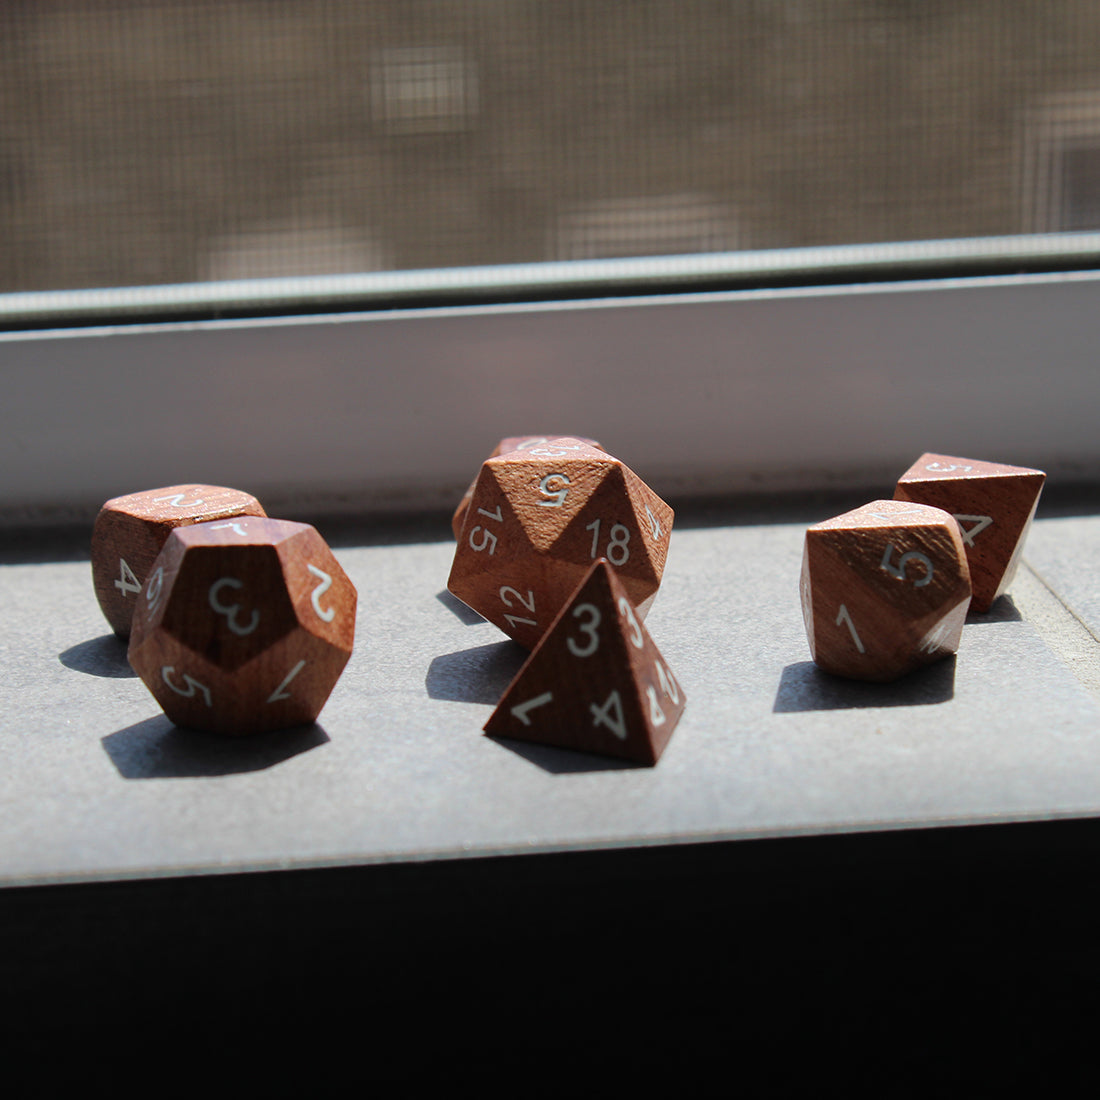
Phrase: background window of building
(1062, 163)
(421, 90)
(662, 225)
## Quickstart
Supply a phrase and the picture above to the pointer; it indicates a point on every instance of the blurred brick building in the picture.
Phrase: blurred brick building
(153, 141)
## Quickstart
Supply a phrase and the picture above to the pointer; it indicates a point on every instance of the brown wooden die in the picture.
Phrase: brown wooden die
(885, 589)
(511, 443)
(130, 531)
(537, 521)
(243, 627)
(595, 682)
(993, 504)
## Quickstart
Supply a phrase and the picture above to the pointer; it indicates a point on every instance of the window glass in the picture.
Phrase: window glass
(150, 141)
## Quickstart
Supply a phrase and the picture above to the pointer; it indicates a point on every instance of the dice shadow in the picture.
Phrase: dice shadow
(805, 687)
(1002, 610)
(558, 761)
(465, 614)
(104, 656)
(481, 675)
(477, 675)
(157, 749)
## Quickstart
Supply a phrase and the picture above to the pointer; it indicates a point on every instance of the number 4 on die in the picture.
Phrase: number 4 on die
(596, 682)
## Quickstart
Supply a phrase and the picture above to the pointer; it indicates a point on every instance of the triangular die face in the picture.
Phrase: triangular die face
(547, 490)
(608, 527)
(987, 499)
(596, 682)
(490, 534)
(654, 518)
(1019, 487)
(937, 467)
(550, 444)
(992, 514)
(1014, 488)
(487, 501)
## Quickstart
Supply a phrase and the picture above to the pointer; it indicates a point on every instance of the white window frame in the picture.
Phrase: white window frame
(758, 390)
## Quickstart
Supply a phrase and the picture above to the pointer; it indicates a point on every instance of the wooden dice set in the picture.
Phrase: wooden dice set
(237, 623)
(562, 547)
(241, 624)
(886, 588)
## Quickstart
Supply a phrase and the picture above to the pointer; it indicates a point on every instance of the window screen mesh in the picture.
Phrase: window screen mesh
(151, 142)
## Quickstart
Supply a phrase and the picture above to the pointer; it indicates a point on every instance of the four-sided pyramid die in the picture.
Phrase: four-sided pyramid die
(595, 682)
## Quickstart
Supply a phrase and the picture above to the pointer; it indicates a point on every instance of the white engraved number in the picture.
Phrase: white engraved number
(610, 715)
(654, 524)
(325, 614)
(617, 551)
(977, 525)
(230, 611)
(559, 450)
(592, 614)
(154, 589)
(668, 683)
(488, 539)
(176, 500)
(556, 496)
(940, 468)
(126, 582)
(895, 512)
(844, 617)
(620, 536)
(280, 692)
(656, 715)
(506, 594)
(236, 527)
(627, 613)
(521, 710)
(594, 527)
(899, 569)
(190, 681)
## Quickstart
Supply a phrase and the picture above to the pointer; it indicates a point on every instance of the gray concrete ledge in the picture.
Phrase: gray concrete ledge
(97, 785)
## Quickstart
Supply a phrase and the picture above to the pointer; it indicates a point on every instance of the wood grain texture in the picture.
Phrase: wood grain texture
(885, 589)
(596, 682)
(537, 521)
(131, 530)
(994, 505)
(509, 443)
(243, 627)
